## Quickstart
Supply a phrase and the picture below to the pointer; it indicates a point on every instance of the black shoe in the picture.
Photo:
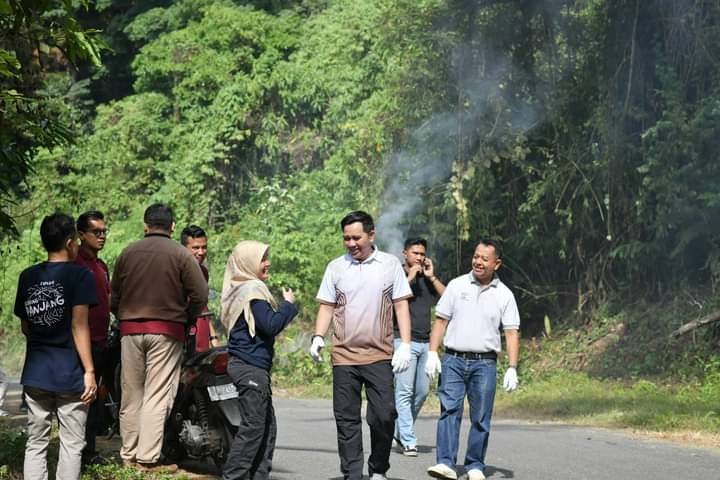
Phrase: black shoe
(93, 459)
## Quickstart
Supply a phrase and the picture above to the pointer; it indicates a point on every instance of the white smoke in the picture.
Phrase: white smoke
(432, 148)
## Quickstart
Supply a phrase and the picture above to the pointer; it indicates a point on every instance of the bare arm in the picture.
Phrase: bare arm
(437, 333)
(323, 319)
(402, 314)
(81, 337)
(512, 343)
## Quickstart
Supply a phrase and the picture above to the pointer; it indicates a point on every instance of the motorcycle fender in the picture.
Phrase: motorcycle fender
(230, 409)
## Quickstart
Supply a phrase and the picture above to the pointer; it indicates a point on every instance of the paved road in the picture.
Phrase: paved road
(306, 450)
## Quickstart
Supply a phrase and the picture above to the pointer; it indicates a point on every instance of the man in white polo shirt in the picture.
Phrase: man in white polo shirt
(473, 309)
(358, 294)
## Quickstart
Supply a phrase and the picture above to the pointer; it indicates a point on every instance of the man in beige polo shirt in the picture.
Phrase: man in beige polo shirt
(358, 295)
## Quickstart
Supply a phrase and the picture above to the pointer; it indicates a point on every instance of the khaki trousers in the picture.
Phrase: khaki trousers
(150, 376)
(71, 414)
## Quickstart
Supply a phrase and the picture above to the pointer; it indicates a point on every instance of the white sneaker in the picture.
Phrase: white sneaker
(378, 476)
(4, 413)
(475, 474)
(442, 471)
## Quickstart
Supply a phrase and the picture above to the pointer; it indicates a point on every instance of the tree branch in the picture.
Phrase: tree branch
(690, 326)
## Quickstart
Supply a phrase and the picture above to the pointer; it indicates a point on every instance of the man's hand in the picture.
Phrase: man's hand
(401, 358)
(432, 365)
(510, 382)
(428, 268)
(90, 392)
(288, 295)
(316, 347)
(414, 271)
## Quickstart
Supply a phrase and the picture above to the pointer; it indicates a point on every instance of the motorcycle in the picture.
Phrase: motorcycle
(206, 413)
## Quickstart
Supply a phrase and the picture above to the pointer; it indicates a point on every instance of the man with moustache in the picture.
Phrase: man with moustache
(93, 232)
(195, 239)
(412, 385)
(358, 294)
(473, 309)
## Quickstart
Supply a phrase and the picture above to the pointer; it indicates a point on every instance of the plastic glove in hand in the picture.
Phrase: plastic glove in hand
(432, 364)
(316, 347)
(510, 382)
(401, 358)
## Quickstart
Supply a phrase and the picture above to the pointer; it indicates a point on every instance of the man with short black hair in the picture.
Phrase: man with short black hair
(412, 385)
(58, 375)
(93, 232)
(156, 286)
(473, 309)
(358, 294)
(195, 239)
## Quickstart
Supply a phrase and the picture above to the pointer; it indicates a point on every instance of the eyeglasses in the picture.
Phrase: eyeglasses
(99, 232)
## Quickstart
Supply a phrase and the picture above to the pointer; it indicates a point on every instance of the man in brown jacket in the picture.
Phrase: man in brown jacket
(157, 285)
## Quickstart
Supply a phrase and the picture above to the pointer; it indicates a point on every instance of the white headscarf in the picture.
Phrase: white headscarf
(241, 285)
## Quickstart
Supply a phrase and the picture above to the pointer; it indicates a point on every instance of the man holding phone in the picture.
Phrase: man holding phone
(412, 385)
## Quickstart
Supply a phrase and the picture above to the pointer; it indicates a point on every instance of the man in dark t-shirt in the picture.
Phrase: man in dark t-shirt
(412, 385)
(58, 375)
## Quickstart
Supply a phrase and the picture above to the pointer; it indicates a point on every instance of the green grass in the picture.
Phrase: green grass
(644, 405)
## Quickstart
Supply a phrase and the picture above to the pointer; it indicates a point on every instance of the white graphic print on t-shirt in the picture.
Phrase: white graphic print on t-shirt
(45, 304)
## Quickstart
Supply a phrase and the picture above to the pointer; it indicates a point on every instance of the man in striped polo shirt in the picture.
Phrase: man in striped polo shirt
(358, 294)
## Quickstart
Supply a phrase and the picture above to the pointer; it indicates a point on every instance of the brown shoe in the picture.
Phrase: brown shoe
(129, 463)
(157, 467)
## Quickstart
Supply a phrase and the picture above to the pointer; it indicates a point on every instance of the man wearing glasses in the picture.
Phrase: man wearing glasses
(92, 231)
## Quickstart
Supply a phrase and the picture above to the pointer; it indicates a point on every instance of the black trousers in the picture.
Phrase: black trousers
(250, 456)
(94, 418)
(348, 381)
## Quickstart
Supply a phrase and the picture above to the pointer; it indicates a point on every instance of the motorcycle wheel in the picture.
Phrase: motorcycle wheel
(228, 433)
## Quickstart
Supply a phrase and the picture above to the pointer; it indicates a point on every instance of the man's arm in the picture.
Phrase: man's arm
(512, 343)
(429, 273)
(81, 337)
(437, 333)
(323, 319)
(402, 314)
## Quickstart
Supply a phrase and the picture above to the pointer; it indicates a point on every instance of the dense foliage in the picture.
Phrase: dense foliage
(581, 133)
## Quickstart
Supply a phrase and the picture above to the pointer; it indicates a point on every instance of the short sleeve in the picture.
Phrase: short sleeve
(445, 306)
(85, 292)
(326, 292)
(511, 315)
(401, 286)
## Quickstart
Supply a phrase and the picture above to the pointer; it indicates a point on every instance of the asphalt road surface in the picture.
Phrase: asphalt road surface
(307, 450)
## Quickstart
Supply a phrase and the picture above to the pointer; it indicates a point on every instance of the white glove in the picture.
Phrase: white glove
(432, 365)
(316, 347)
(510, 382)
(401, 358)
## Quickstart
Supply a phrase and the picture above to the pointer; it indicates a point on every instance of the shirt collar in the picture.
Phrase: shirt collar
(493, 283)
(85, 254)
(372, 258)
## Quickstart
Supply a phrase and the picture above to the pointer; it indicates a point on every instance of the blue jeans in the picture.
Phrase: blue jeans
(411, 390)
(477, 379)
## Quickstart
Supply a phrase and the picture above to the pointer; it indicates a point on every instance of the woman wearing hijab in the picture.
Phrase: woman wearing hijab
(253, 319)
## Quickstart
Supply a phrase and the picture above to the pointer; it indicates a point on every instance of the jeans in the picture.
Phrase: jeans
(72, 415)
(477, 379)
(348, 381)
(251, 452)
(411, 390)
